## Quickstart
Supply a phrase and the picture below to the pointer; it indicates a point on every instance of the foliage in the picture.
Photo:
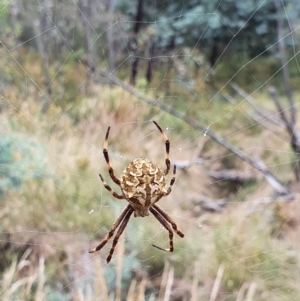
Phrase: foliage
(20, 159)
(211, 25)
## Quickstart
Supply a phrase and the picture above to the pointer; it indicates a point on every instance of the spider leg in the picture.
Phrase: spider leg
(105, 153)
(171, 182)
(161, 219)
(167, 142)
(112, 229)
(120, 197)
(168, 218)
(120, 231)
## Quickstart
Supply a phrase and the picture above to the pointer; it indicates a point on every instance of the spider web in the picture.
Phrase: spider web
(241, 229)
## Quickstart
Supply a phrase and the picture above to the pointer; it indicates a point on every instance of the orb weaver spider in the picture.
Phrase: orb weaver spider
(142, 184)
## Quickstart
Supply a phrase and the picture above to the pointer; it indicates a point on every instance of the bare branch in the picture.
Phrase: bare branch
(232, 175)
(260, 111)
(281, 111)
(184, 164)
(258, 119)
(209, 204)
(263, 123)
(294, 138)
(270, 179)
(280, 189)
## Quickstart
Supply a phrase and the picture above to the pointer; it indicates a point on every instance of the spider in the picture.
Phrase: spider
(142, 184)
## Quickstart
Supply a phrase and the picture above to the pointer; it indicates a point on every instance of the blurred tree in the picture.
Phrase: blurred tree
(212, 25)
(143, 29)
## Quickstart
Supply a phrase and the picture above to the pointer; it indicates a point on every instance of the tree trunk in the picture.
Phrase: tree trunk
(282, 56)
(42, 49)
(85, 14)
(110, 41)
(149, 66)
(136, 29)
(213, 54)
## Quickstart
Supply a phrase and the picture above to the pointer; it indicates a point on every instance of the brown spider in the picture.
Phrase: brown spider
(143, 184)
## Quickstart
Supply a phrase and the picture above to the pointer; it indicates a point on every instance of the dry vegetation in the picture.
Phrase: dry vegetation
(248, 251)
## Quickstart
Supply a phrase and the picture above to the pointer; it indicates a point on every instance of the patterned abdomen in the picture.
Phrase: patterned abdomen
(143, 183)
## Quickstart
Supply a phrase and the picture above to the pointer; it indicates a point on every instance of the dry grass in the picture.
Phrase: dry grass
(232, 255)
(30, 286)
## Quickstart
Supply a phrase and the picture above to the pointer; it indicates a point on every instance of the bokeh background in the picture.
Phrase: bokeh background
(220, 77)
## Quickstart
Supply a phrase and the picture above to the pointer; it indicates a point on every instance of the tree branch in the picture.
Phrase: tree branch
(274, 182)
(260, 111)
(294, 138)
(258, 119)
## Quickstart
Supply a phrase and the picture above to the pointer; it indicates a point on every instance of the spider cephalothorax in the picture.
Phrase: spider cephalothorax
(143, 184)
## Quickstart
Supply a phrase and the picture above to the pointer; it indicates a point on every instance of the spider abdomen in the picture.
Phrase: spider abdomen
(143, 184)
